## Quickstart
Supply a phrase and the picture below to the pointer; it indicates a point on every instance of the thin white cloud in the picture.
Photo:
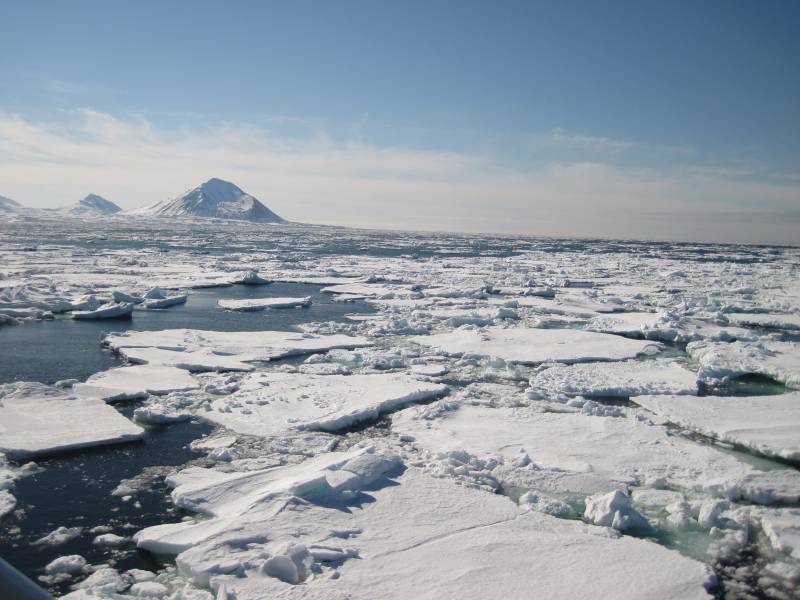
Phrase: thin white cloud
(133, 162)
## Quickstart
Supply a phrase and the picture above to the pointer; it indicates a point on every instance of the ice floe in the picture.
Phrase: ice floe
(128, 383)
(561, 452)
(628, 378)
(111, 310)
(720, 361)
(768, 425)
(37, 420)
(255, 304)
(532, 346)
(270, 404)
(197, 350)
(345, 521)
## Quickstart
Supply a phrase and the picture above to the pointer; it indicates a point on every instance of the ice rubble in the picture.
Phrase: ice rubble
(197, 350)
(254, 304)
(531, 346)
(628, 378)
(127, 383)
(719, 361)
(350, 525)
(37, 420)
(768, 425)
(273, 403)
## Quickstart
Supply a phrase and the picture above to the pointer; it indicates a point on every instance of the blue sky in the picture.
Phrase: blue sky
(508, 116)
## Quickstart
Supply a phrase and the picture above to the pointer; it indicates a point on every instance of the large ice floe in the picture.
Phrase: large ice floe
(221, 351)
(351, 525)
(37, 420)
(269, 404)
(532, 346)
(768, 425)
(562, 452)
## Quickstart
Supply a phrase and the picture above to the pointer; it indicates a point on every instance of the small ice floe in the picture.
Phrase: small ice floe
(119, 296)
(70, 565)
(531, 346)
(60, 535)
(255, 304)
(158, 415)
(371, 290)
(111, 310)
(110, 539)
(767, 425)
(197, 350)
(128, 383)
(166, 302)
(37, 420)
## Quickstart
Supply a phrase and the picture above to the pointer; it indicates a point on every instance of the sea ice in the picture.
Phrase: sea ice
(769, 320)
(37, 420)
(166, 301)
(627, 378)
(768, 425)
(304, 524)
(127, 383)
(254, 304)
(273, 403)
(197, 350)
(531, 346)
(112, 310)
(561, 452)
(777, 360)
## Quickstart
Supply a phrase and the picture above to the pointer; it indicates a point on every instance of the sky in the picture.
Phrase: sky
(632, 119)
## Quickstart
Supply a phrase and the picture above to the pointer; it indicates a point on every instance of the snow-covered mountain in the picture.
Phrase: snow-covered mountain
(213, 199)
(7, 205)
(93, 205)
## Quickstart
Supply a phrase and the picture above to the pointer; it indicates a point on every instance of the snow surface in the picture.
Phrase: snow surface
(768, 425)
(531, 346)
(37, 420)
